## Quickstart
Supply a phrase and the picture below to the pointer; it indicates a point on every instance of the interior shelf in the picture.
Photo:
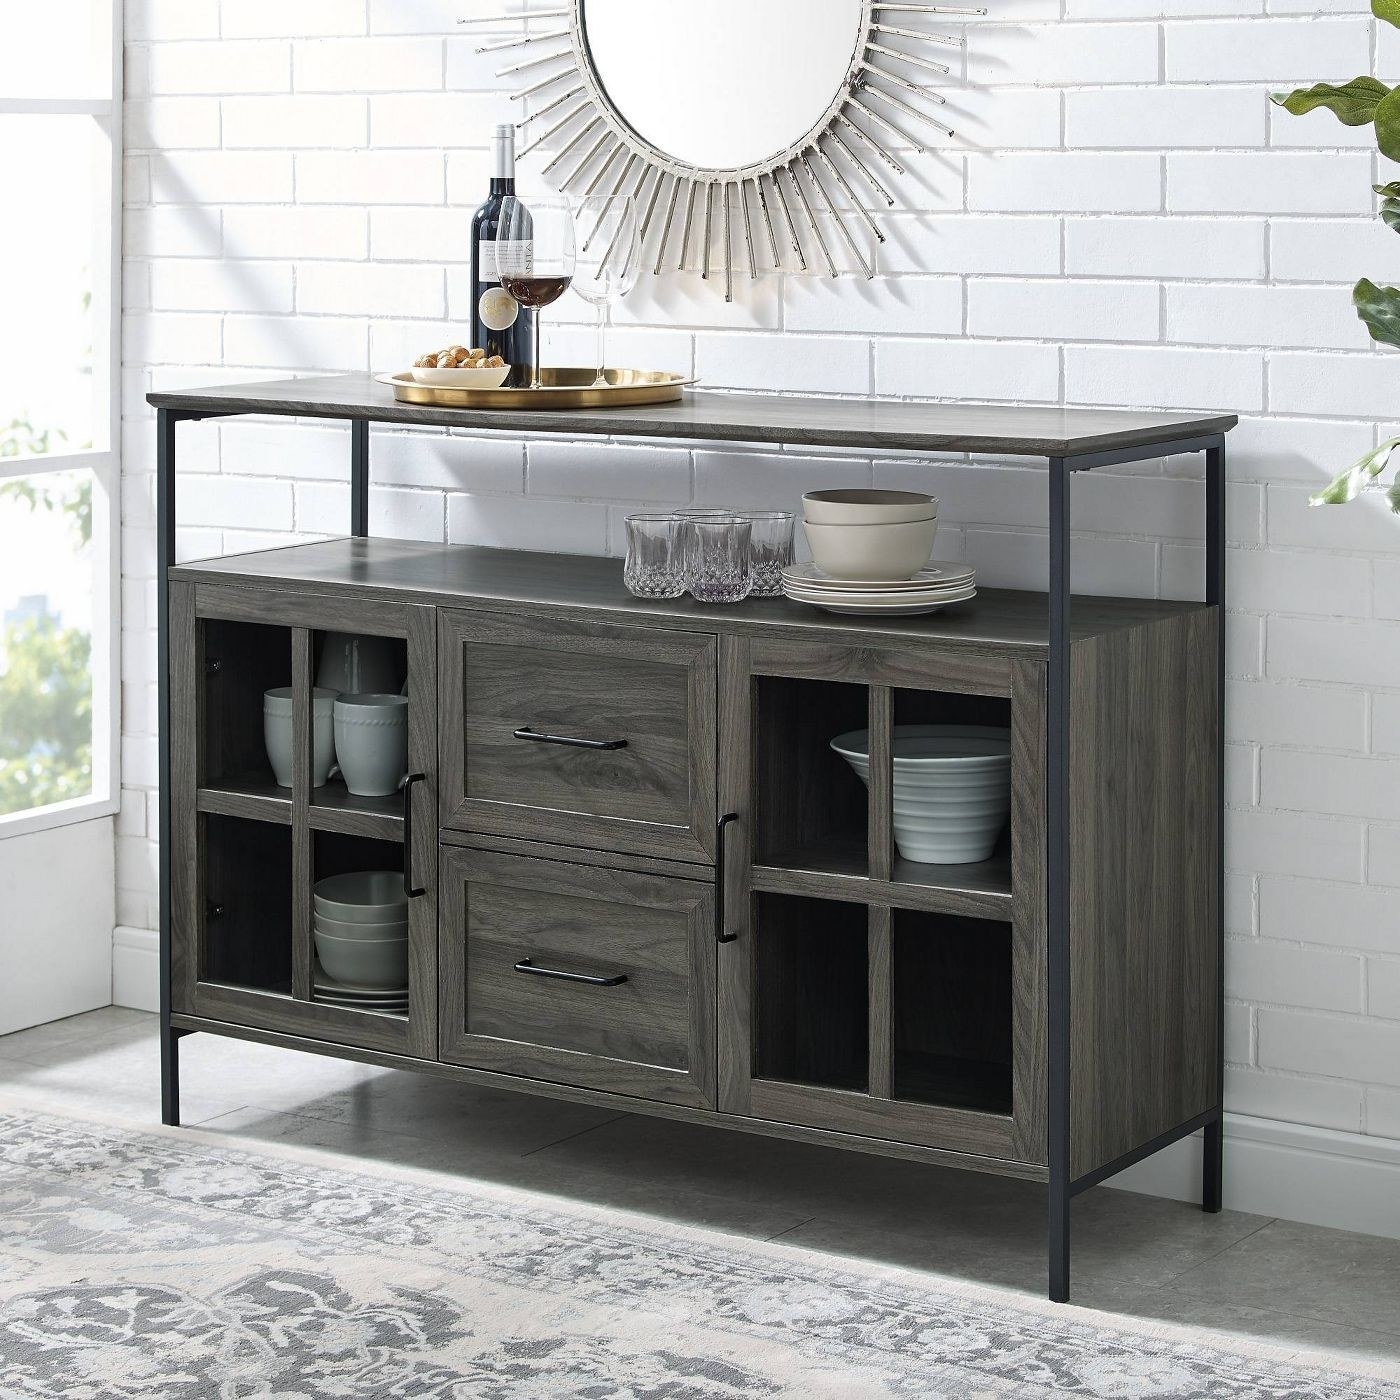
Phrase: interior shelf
(248, 904)
(813, 997)
(251, 796)
(810, 807)
(951, 1014)
(335, 808)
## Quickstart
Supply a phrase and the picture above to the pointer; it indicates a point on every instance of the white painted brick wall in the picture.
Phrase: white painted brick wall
(1128, 224)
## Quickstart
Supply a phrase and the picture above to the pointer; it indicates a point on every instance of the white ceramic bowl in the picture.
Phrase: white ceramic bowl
(360, 962)
(363, 932)
(463, 378)
(875, 552)
(866, 507)
(952, 788)
(362, 897)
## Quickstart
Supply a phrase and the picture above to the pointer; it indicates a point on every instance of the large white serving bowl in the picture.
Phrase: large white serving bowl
(874, 552)
(338, 928)
(362, 897)
(359, 962)
(952, 788)
(491, 378)
(861, 506)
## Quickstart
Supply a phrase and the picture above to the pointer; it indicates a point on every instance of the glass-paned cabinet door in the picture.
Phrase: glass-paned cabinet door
(884, 973)
(303, 757)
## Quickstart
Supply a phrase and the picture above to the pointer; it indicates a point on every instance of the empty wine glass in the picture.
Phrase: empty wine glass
(535, 250)
(609, 258)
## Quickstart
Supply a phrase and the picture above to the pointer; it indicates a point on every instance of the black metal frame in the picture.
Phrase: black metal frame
(1062, 1186)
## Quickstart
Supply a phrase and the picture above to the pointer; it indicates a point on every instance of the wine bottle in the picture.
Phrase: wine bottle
(500, 325)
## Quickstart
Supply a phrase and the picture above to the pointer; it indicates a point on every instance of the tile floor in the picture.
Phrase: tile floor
(1245, 1275)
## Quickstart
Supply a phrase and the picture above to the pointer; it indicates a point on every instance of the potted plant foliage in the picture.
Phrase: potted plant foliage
(1366, 102)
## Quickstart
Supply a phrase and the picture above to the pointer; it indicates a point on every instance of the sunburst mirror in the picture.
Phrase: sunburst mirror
(754, 135)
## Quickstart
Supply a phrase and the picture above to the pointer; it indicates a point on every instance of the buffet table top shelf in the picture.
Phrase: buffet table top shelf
(883, 425)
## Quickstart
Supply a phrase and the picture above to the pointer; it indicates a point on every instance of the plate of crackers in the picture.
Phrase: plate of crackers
(460, 368)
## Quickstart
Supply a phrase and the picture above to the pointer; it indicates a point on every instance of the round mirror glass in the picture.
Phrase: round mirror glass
(722, 84)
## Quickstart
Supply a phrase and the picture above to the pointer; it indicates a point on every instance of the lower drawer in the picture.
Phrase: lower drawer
(578, 974)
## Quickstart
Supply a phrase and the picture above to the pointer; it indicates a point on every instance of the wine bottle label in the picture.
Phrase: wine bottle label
(498, 309)
(520, 259)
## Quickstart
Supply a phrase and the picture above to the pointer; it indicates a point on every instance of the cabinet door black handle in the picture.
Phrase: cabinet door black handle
(722, 934)
(527, 965)
(409, 888)
(525, 732)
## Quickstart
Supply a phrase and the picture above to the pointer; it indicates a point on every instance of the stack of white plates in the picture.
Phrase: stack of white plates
(952, 788)
(931, 588)
(360, 925)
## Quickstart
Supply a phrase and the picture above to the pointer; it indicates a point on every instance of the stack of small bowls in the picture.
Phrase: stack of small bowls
(360, 926)
(871, 555)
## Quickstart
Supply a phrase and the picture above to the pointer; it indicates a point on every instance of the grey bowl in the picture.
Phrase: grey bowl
(369, 963)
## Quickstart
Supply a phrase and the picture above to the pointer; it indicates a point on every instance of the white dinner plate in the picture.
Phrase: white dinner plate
(934, 576)
(888, 609)
(880, 600)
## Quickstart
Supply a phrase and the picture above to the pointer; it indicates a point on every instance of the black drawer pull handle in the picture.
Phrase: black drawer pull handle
(525, 732)
(526, 965)
(409, 888)
(722, 934)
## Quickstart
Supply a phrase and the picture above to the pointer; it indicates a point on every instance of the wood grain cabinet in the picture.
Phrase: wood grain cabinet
(649, 881)
(582, 733)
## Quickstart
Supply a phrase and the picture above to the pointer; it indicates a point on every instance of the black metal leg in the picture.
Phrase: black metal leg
(1213, 1168)
(1057, 881)
(359, 477)
(165, 557)
(1213, 1159)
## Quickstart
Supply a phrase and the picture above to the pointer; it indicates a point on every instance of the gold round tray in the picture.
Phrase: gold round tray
(561, 388)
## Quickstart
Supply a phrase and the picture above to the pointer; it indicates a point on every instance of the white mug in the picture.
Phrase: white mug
(277, 734)
(371, 742)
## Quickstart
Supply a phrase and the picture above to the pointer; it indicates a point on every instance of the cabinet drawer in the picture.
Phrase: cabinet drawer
(578, 974)
(636, 706)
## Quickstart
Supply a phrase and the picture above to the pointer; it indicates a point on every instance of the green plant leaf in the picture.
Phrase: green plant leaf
(1348, 485)
(1388, 10)
(1390, 191)
(1390, 212)
(1393, 496)
(1353, 104)
(1379, 307)
(1387, 119)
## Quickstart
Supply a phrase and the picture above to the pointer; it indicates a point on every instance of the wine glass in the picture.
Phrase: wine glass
(535, 255)
(609, 258)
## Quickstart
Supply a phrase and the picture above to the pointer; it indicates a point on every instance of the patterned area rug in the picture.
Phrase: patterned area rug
(175, 1264)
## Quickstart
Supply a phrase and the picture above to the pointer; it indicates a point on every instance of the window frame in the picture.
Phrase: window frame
(104, 463)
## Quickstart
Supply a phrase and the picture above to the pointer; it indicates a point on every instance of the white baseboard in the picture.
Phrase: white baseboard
(1316, 1175)
(136, 968)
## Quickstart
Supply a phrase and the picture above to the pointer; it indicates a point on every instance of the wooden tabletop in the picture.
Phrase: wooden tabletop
(997, 621)
(707, 415)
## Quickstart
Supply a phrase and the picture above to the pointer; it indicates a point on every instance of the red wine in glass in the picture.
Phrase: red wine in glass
(535, 292)
(535, 255)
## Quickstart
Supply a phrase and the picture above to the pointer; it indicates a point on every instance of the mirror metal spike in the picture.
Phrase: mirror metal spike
(846, 236)
(689, 220)
(860, 131)
(748, 231)
(789, 220)
(669, 220)
(812, 220)
(768, 223)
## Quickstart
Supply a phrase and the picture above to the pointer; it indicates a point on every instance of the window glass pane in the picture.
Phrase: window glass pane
(48, 48)
(46, 621)
(46, 285)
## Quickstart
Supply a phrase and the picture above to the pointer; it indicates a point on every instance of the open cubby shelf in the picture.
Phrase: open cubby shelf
(813, 992)
(951, 1008)
(248, 904)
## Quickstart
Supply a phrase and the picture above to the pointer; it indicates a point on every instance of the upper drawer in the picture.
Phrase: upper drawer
(637, 705)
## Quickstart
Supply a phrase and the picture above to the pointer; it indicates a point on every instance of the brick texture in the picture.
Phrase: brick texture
(1128, 224)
